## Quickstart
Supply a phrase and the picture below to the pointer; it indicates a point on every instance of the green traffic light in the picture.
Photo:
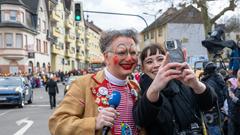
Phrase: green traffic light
(78, 18)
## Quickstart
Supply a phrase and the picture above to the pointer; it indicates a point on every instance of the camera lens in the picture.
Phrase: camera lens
(170, 45)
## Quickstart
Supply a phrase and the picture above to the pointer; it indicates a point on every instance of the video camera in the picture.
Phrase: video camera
(215, 42)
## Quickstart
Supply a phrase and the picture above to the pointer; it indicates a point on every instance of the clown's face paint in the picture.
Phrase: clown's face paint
(115, 59)
(122, 57)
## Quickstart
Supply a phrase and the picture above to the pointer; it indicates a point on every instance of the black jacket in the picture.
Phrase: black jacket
(177, 107)
(216, 81)
(234, 107)
(51, 87)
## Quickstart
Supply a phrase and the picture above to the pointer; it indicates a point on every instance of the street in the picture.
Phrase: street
(32, 118)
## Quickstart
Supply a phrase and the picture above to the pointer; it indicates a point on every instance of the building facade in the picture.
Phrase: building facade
(20, 51)
(184, 24)
(93, 54)
(42, 36)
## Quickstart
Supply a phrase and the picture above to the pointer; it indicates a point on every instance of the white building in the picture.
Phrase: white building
(23, 39)
(184, 24)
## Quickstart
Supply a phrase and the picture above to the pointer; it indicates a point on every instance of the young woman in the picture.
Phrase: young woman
(172, 96)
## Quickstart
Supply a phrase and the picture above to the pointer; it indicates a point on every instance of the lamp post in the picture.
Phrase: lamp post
(155, 23)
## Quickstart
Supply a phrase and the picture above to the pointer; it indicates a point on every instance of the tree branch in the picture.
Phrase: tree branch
(231, 6)
(198, 3)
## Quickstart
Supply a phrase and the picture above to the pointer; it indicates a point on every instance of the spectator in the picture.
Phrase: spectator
(234, 108)
(213, 117)
(52, 89)
(172, 96)
(234, 63)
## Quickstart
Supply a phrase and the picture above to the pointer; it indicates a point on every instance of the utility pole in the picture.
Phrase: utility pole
(114, 13)
(155, 22)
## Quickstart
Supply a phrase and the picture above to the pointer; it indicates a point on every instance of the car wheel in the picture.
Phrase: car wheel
(31, 99)
(22, 103)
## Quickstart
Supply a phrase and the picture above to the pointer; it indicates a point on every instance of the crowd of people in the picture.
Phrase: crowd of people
(163, 98)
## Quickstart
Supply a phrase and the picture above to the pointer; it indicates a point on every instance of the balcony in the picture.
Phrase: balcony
(56, 16)
(88, 47)
(13, 53)
(69, 23)
(80, 56)
(70, 53)
(70, 38)
(57, 49)
(56, 32)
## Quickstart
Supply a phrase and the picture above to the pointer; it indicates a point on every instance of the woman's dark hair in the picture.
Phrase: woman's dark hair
(153, 48)
(108, 37)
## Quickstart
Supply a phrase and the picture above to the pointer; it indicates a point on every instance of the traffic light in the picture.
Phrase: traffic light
(78, 12)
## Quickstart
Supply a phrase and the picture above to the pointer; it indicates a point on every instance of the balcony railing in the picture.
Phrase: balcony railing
(56, 16)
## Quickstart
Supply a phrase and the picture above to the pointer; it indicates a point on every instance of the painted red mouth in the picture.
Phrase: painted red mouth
(127, 66)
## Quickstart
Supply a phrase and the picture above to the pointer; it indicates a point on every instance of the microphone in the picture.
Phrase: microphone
(114, 101)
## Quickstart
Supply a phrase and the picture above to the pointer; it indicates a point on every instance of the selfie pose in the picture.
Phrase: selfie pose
(172, 97)
(86, 109)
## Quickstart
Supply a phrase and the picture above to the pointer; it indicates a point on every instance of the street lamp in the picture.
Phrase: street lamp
(155, 23)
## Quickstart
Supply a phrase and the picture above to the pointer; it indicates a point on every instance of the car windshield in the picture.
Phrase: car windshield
(9, 81)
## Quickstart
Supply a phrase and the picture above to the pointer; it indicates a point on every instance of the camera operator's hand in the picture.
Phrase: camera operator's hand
(189, 78)
(167, 71)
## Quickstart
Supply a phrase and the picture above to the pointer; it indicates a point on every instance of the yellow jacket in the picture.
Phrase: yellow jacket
(76, 114)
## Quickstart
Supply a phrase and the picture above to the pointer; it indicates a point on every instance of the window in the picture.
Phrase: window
(13, 16)
(39, 24)
(45, 47)
(147, 35)
(38, 45)
(22, 17)
(1, 42)
(152, 34)
(9, 40)
(19, 41)
(44, 27)
(26, 42)
(160, 32)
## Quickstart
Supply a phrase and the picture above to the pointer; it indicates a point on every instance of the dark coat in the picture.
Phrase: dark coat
(216, 81)
(51, 87)
(234, 107)
(178, 106)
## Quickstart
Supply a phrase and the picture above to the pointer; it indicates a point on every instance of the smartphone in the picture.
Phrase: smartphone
(174, 47)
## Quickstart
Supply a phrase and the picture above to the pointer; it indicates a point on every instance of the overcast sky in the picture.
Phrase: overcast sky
(136, 7)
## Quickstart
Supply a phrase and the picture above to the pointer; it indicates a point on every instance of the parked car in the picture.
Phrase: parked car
(68, 83)
(16, 91)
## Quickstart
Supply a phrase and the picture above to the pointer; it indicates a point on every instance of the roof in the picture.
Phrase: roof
(32, 5)
(186, 15)
(14, 2)
(93, 27)
(67, 4)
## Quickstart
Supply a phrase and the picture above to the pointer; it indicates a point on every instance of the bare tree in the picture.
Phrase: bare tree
(208, 22)
(204, 9)
(233, 24)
